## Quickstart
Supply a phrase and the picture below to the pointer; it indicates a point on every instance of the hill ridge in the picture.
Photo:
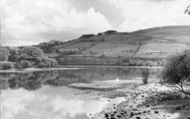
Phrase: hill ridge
(111, 43)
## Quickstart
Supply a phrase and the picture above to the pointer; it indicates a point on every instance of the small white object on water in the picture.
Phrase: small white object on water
(117, 79)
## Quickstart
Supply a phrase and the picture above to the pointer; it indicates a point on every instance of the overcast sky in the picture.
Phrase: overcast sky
(26, 22)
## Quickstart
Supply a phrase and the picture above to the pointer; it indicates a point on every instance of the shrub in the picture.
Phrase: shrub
(13, 55)
(25, 64)
(110, 32)
(177, 70)
(48, 62)
(32, 51)
(6, 65)
(145, 75)
(42, 65)
(33, 57)
(4, 54)
(86, 36)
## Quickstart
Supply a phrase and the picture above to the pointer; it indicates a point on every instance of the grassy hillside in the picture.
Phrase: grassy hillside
(152, 42)
(148, 43)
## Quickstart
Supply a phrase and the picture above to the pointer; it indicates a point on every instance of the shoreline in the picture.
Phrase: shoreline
(150, 101)
(115, 66)
(73, 67)
(28, 70)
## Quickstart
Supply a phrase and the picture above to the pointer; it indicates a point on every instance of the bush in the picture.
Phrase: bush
(47, 62)
(6, 65)
(13, 55)
(33, 57)
(25, 64)
(32, 51)
(177, 70)
(145, 75)
(4, 54)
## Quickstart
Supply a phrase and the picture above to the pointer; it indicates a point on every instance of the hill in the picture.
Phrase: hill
(159, 42)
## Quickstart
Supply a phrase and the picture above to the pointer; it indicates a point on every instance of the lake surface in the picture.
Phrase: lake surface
(64, 94)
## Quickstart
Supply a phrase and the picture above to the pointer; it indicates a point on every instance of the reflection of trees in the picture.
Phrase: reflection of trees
(35, 80)
(31, 81)
(4, 80)
(3, 84)
(67, 77)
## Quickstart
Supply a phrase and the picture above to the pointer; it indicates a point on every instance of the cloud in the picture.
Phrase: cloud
(151, 13)
(25, 21)
(109, 10)
(48, 103)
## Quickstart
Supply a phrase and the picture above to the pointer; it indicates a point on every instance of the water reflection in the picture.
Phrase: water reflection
(34, 80)
(46, 103)
(48, 95)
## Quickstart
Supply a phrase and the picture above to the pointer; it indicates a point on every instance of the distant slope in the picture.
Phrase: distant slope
(153, 42)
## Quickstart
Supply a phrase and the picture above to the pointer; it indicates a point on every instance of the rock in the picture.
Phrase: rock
(112, 118)
(144, 111)
(106, 115)
(147, 105)
(156, 112)
(119, 116)
(138, 113)
(138, 117)
(178, 108)
(132, 114)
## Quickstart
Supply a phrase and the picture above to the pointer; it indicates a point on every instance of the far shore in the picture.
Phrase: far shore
(71, 67)
(34, 70)
(115, 66)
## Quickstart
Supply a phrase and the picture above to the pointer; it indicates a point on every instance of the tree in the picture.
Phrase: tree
(13, 55)
(177, 70)
(25, 64)
(145, 75)
(33, 57)
(32, 51)
(187, 10)
(4, 54)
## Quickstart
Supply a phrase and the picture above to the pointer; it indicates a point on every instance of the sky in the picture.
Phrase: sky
(28, 22)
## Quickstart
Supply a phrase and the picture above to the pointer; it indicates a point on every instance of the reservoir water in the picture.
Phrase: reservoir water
(77, 93)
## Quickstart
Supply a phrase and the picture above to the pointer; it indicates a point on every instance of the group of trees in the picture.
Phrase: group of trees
(33, 57)
(25, 57)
